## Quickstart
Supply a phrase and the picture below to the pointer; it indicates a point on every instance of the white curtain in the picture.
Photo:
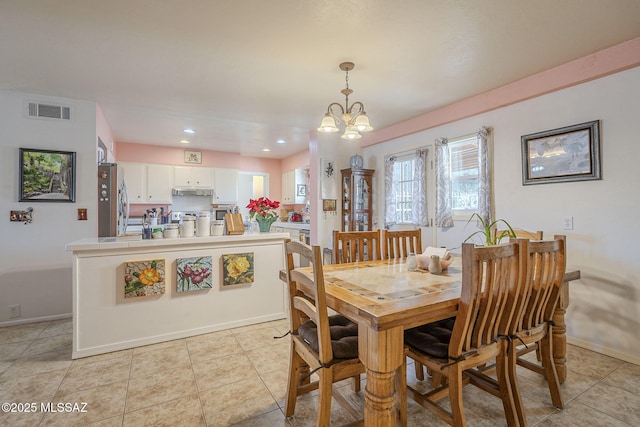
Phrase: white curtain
(444, 217)
(484, 176)
(419, 216)
(419, 207)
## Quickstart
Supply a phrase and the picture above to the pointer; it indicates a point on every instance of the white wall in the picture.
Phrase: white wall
(604, 311)
(35, 269)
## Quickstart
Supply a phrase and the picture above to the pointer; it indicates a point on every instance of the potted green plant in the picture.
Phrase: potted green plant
(489, 238)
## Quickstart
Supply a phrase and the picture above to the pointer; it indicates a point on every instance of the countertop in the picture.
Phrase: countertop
(296, 225)
(101, 243)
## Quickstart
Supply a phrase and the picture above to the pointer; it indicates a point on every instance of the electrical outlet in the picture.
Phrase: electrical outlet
(14, 311)
(567, 223)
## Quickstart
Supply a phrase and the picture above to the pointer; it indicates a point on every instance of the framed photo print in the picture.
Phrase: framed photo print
(571, 153)
(193, 156)
(47, 175)
(301, 190)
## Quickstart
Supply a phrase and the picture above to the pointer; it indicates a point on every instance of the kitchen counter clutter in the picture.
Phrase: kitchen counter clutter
(130, 293)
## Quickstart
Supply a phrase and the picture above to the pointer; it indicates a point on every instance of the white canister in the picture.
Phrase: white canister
(188, 226)
(203, 224)
(217, 227)
(171, 231)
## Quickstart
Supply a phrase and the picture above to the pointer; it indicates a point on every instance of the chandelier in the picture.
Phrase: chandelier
(353, 116)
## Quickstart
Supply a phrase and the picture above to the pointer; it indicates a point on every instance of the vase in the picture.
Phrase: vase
(265, 223)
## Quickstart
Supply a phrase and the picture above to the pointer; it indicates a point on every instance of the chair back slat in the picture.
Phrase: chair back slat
(547, 264)
(352, 246)
(400, 243)
(491, 279)
(311, 304)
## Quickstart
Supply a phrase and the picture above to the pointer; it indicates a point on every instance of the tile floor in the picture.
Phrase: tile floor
(238, 377)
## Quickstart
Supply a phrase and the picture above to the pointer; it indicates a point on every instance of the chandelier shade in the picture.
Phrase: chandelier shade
(353, 116)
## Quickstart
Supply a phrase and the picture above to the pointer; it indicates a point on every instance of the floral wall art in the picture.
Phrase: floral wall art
(144, 278)
(193, 274)
(237, 269)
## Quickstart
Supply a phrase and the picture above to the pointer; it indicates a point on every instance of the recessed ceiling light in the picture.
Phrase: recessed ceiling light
(266, 149)
(189, 131)
(184, 141)
(281, 141)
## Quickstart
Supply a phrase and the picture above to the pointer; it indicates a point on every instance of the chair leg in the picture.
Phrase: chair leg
(401, 392)
(324, 397)
(419, 370)
(515, 386)
(455, 396)
(507, 383)
(295, 369)
(355, 383)
(550, 373)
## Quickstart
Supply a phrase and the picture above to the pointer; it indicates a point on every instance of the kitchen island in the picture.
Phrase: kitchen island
(106, 319)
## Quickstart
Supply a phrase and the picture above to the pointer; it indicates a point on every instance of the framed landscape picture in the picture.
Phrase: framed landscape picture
(47, 175)
(571, 153)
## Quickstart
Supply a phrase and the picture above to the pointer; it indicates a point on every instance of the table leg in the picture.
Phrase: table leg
(382, 353)
(558, 333)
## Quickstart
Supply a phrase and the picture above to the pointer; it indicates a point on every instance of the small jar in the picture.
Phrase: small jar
(412, 263)
(171, 231)
(434, 265)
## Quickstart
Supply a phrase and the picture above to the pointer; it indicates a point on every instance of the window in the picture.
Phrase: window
(464, 171)
(405, 178)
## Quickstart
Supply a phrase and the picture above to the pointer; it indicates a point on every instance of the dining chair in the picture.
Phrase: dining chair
(352, 246)
(400, 243)
(518, 233)
(491, 303)
(321, 344)
(546, 267)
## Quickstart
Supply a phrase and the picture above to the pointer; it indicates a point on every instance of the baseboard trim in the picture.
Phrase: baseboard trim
(36, 319)
(604, 350)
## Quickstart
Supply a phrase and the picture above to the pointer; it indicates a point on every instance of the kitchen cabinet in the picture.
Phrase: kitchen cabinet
(356, 199)
(159, 183)
(148, 183)
(225, 184)
(294, 187)
(192, 177)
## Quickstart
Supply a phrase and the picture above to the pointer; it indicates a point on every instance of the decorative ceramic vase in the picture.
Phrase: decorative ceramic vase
(265, 223)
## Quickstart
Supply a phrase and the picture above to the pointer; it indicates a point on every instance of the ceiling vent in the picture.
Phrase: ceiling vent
(49, 111)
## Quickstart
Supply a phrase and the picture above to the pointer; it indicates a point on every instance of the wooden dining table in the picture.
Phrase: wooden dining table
(385, 299)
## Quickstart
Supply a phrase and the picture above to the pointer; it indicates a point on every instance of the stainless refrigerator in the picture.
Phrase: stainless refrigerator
(113, 202)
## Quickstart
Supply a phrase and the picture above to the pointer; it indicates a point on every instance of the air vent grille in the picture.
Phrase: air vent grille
(49, 111)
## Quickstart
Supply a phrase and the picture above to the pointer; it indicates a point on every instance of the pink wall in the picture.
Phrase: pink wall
(618, 58)
(296, 161)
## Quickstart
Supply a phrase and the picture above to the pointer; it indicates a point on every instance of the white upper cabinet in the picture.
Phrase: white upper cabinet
(192, 177)
(148, 183)
(294, 187)
(159, 183)
(225, 184)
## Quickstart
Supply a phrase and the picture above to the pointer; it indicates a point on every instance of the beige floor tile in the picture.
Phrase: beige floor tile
(258, 338)
(21, 333)
(103, 402)
(31, 388)
(578, 415)
(9, 352)
(270, 419)
(236, 402)
(162, 386)
(248, 328)
(281, 325)
(49, 344)
(590, 363)
(613, 401)
(97, 373)
(160, 346)
(183, 412)
(40, 363)
(165, 359)
(221, 371)
(23, 419)
(270, 358)
(4, 366)
(57, 327)
(212, 346)
(98, 357)
(626, 377)
(109, 422)
(306, 412)
(276, 382)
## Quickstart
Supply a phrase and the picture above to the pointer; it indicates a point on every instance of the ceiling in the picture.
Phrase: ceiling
(245, 73)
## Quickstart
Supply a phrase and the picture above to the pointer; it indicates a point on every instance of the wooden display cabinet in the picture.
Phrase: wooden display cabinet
(356, 199)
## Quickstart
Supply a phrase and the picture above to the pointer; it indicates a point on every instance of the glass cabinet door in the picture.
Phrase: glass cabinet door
(356, 199)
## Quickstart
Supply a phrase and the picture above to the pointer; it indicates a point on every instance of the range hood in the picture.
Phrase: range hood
(205, 192)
